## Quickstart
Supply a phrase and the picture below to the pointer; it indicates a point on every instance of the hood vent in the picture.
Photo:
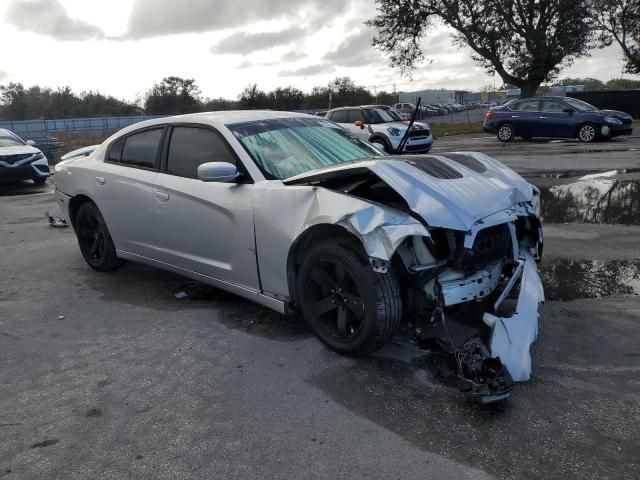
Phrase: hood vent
(435, 168)
(467, 161)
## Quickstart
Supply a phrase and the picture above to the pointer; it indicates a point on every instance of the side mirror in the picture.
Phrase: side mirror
(217, 172)
(359, 124)
(31, 143)
(568, 110)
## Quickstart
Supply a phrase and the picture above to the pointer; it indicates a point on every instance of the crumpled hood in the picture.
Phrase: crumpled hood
(452, 191)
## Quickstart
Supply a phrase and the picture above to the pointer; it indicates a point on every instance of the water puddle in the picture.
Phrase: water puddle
(566, 280)
(592, 199)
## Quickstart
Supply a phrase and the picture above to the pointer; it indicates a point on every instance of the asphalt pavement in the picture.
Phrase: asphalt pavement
(111, 376)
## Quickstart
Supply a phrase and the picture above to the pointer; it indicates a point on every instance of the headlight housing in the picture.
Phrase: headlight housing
(38, 156)
(613, 121)
(394, 131)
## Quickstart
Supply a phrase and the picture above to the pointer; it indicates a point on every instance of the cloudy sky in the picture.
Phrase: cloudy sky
(122, 47)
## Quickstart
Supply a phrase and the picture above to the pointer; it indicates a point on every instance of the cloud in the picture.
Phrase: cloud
(318, 69)
(243, 42)
(150, 18)
(289, 57)
(3, 75)
(355, 51)
(49, 17)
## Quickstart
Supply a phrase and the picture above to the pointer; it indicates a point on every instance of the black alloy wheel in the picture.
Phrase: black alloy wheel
(351, 308)
(94, 239)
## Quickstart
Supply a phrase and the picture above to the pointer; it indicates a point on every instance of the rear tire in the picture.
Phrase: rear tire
(505, 132)
(351, 308)
(94, 239)
(588, 133)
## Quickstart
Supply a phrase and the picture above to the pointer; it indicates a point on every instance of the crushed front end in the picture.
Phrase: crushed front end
(480, 291)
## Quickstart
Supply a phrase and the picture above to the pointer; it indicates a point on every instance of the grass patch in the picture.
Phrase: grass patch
(448, 129)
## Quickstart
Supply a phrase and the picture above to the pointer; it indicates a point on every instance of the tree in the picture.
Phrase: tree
(622, 84)
(252, 97)
(526, 42)
(619, 21)
(589, 83)
(287, 98)
(173, 95)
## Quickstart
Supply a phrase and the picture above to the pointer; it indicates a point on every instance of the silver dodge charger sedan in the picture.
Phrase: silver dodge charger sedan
(297, 214)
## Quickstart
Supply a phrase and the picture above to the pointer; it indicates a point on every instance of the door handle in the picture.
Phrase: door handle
(162, 196)
(515, 116)
(542, 117)
(101, 180)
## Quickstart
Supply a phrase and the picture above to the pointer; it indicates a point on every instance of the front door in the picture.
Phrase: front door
(205, 227)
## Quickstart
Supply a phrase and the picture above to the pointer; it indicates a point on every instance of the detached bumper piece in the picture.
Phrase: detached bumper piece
(511, 337)
(483, 379)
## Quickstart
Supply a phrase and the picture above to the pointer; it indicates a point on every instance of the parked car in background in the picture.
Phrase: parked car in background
(20, 160)
(405, 110)
(382, 127)
(560, 117)
(299, 215)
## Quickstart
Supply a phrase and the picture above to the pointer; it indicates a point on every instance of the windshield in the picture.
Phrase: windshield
(378, 115)
(9, 140)
(579, 105)
(395, 115)
(287, 147)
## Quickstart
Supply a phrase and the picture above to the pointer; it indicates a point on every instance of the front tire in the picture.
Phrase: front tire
(382, 145)
(351, 308)
(505, 133)
(94, 239)
(588, 133)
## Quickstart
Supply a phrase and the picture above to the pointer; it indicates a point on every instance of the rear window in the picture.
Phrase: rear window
(141, 149)
(339, 117)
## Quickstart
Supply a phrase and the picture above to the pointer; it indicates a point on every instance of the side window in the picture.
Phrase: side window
(549, 106)
(526, 106)
(192, 146)
(355, 115)
(141, 149)
(339, 116)
(115, 152)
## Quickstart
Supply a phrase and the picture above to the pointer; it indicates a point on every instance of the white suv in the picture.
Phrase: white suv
(384, 127)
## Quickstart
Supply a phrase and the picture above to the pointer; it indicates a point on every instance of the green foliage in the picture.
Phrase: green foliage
(622, 84)
(619, 21)
(526, 42)
(589, 83)
(173, 95)
(20, 103)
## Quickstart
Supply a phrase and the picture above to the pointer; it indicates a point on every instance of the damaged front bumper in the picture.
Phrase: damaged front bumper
(511, 337)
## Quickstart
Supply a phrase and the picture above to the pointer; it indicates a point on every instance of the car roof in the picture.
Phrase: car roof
(216, 119)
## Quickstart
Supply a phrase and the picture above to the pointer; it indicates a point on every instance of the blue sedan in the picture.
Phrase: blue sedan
(560, 117)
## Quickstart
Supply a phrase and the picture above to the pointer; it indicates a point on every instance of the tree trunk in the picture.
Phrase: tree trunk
(529, 88)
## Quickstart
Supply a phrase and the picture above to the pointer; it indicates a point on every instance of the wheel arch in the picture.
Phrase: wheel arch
(74, 205)
(384, 139)
(312, 235)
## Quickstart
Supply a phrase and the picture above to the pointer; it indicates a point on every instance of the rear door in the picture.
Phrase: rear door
(205, 227)
(124, 186)
(525, 118)
(555, 122)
